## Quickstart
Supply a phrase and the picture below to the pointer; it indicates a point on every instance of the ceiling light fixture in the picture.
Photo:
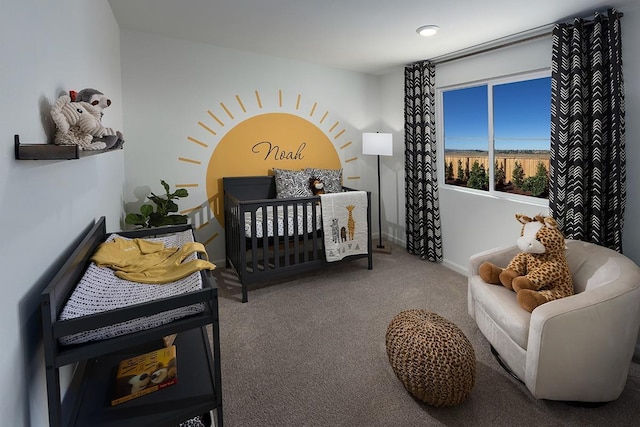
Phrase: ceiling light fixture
(428, 30)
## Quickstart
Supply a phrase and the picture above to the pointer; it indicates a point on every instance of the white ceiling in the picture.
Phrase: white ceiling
(369, 36)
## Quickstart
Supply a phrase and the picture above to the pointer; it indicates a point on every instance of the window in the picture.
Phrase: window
(497, 135)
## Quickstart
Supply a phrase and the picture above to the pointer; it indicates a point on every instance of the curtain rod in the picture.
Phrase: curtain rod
(490, 46)
(504, 42)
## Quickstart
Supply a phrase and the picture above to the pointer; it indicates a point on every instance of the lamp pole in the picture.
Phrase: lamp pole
(380, 246)
(378, 144)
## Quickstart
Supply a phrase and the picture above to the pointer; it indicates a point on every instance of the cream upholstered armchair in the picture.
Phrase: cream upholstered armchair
(577, 348)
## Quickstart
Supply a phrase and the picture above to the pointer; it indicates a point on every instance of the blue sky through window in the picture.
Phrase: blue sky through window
(466, 125)
(522, 115)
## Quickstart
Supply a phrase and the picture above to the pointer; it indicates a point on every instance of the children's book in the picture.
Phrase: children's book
(144, 374)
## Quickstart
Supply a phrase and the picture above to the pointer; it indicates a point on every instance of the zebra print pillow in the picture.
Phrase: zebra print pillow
(292, 183)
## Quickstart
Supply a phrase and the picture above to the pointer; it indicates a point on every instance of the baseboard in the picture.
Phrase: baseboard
(455, 267)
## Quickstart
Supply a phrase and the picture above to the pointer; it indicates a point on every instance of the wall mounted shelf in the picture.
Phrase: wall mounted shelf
(52, 151)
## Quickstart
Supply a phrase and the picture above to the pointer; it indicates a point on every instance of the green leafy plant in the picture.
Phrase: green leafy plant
(163, 214)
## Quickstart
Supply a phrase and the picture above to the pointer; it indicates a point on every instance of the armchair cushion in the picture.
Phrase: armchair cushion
(500, 304)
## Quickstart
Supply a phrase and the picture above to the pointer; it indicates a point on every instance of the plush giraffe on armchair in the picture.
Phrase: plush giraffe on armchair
(540, 272)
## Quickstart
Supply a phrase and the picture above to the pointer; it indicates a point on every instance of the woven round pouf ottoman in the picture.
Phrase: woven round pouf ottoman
(431, 356)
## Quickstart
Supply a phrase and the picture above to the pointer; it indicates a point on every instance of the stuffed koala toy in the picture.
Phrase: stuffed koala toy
(540, 272)
(99, 101)
(91, 96)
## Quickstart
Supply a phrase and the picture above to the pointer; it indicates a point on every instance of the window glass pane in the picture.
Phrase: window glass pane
(466, 130)
(522, 136)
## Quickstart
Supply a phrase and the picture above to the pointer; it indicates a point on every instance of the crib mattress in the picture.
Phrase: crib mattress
(280, 221)
(101, 290)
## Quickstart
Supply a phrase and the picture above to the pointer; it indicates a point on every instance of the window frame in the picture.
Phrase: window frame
(490, 83)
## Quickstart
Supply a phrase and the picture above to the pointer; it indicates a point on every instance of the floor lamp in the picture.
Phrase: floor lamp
(378, 144)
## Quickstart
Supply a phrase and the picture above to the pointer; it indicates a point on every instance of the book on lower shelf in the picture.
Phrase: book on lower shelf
(144, 374)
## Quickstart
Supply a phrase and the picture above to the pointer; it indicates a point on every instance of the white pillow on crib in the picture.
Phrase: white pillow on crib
(292, 183)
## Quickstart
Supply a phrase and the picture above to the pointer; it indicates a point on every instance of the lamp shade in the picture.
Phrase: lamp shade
(380, 144)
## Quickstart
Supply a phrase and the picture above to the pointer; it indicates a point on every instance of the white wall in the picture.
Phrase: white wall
(169, 85)
(475, 222)
(392, 168)
(46, 48)
(631, 68)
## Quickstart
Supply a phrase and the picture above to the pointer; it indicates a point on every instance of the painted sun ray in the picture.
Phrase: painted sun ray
(207, 127)
(203, 225)
(346, 145)
(258, 100)
(298, 102)
(334, 126)
(351, 159)
(215, 118)
(339, 134)
(192, 139)
(280, 98)
(324, 116)
(206, 207)
(244, 110)
(210, 239)
(226, 110)
(184, 159)
(313, 109)
(191, 210)
(187, 185)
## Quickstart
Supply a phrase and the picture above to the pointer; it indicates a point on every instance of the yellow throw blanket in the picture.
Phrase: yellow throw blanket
(140, 260)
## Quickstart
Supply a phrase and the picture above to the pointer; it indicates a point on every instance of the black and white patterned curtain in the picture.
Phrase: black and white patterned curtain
(587, 161)
(424, 236)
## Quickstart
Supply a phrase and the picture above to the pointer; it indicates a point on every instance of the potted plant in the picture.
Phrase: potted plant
(163, 213)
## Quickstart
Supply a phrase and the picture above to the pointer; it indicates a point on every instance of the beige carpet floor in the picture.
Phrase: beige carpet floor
(310, 351)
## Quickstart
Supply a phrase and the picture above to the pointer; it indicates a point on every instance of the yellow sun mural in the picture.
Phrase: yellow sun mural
(256, 144)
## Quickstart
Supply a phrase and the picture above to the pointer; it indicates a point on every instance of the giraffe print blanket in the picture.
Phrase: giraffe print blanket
(344, 220)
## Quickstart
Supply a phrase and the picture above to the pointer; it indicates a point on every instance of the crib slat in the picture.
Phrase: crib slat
(265, 240)
(254, 243)
(305, 234)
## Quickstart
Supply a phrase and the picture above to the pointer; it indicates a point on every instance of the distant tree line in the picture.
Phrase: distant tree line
(477, 177)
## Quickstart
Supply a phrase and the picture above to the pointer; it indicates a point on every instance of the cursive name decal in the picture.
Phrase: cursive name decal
(278, 153)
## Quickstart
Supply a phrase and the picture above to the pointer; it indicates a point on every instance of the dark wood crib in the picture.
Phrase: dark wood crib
(267, 238)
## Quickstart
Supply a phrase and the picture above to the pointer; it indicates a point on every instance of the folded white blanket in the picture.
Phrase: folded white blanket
(344, 220)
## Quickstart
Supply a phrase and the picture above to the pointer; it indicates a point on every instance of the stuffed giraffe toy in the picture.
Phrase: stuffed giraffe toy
(540, 272)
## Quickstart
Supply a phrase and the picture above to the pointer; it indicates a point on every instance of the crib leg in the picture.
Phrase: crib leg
(245, 293)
